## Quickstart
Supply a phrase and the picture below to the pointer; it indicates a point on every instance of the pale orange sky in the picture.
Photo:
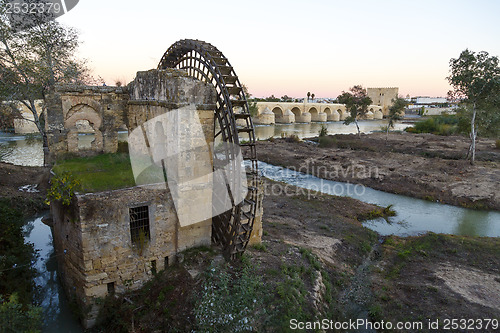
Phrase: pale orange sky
(292, 47)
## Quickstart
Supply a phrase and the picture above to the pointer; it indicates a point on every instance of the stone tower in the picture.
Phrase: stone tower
(383, 97)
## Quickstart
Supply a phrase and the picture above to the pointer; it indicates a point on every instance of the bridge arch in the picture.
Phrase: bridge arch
(297, 112)
(342, 116)
(278, 112)
(313, 111)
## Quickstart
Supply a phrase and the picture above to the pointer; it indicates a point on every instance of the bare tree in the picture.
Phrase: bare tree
(34, 60)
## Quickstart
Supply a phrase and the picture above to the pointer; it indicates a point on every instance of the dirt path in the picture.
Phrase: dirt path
(417, 165)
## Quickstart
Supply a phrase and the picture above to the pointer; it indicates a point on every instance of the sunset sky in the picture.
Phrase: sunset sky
(292, 47)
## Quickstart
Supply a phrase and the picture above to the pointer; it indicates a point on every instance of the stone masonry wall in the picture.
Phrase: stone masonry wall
(103, 107)
(92, 237)
(382, 97)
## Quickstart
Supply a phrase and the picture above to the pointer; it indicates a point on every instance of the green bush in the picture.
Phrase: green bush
(63, 188)
(439, 125)
(17, 271)
(323, 131)
(16, 319)
(16, 256)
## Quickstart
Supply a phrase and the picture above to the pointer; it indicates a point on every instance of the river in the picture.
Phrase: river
(414, 216)
(27, 150)
(57, 316)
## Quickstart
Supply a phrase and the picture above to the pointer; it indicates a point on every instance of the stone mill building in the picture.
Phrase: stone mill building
(110, 241)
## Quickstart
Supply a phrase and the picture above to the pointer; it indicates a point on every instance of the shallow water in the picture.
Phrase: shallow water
(414, 216)
(57, 316)
(307, 130)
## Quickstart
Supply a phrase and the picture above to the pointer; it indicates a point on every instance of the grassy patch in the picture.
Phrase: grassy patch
(327, 142)
(260, 247)
(229, 300)
(99, 173)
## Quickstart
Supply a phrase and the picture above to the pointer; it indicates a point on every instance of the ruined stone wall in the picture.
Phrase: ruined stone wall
(109, 256)
(93, 237)
(103, 107)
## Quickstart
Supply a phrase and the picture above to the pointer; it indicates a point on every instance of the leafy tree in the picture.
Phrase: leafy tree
(356, 102)
(17, 272)
(286, 98)
(272, 98)
(395, 113)
(15, 319)
(34, 60)
(475, 78)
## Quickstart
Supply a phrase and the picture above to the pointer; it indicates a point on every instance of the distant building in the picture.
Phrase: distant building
(430, 106)
(383, 97)
(429, 100)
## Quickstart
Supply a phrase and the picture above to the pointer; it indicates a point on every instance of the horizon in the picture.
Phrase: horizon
(289, 48)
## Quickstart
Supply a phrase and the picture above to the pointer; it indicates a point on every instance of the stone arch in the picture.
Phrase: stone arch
(75, 108)
(278, 112)
(297, 112)
(313, 110)
(342, 114)
(328, 111)
(78, 113)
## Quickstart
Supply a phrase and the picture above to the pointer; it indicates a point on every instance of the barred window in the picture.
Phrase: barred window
(139, 224)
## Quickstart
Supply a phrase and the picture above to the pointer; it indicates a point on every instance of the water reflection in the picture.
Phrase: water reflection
(470, 224)
(304, 130)
(57, 316)
(21, 150)
(27, 150)
(414, 216)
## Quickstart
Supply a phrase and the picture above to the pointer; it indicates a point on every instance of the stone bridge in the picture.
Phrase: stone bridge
(281, 112)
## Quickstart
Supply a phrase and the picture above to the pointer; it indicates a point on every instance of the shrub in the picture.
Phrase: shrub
(439, 125)
(63, 188)
(293, 138)
(323, 131)
(16, 257)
